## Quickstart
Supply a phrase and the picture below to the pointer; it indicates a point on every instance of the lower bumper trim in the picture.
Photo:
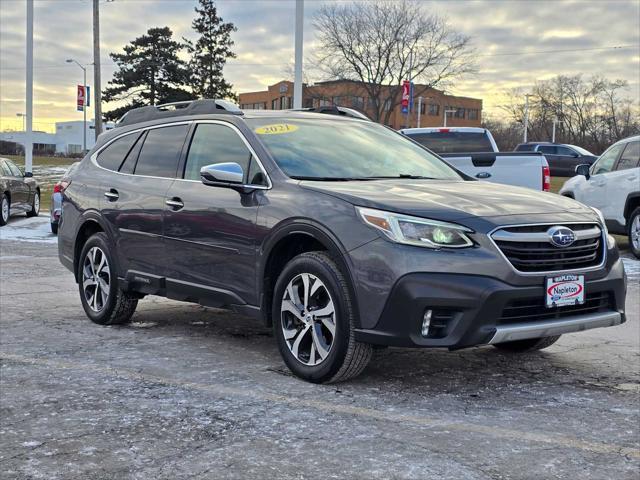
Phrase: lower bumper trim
(522, 331)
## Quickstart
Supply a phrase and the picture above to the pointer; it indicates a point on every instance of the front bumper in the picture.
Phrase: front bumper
(471, 310)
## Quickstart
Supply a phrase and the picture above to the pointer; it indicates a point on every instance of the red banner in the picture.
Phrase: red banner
(406, 88)
(81, 97)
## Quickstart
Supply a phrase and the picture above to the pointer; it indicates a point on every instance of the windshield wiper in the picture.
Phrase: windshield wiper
(330, 179)
(405, 175)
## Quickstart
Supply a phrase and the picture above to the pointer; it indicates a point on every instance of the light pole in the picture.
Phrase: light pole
(297, 80)
(24, 116)
(526, 115)
(447, 112)
(84, 105)
(553, 131)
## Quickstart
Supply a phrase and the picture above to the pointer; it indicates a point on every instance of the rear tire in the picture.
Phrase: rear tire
(102, 299)
(5, 210)
(54, 228)
(528, 345)
(317, 347)
(35, 206)
(633, 231)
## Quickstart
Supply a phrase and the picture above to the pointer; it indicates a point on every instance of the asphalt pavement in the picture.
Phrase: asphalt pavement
(191, 392)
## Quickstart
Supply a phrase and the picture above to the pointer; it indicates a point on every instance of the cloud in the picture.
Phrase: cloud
(264, 43)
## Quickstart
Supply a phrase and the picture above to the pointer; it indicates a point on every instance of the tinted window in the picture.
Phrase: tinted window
(550, 149)
(630, 157)
(5, 169)
(15, 171)
(112, 156)
(565, 151)
(327, 148)
(525, 147)
(129, 164)
(213, 143)
(453, 142)
(607, 159)
(161, 151)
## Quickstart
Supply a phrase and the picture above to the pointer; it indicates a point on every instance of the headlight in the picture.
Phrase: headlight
(417, 231)
(601, 217)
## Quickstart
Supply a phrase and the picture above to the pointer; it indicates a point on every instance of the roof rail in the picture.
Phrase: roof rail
(335, 110)
(177, 109)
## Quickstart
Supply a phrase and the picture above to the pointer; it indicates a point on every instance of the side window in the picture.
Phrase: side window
(565, 151)
(112, 156)
(630, 157)
(5, 169)
(550, 149)
(214, 143)
(129, 164)
(160, 152)
(15, 171)
(606, 160)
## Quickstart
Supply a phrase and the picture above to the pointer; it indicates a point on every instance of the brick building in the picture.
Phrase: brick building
(463, 111)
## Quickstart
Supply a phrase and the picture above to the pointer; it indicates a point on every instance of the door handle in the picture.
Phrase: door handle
(175, 203)
(112, 195)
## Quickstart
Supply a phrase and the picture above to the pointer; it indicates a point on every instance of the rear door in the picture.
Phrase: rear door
(568, 160)
(134, 201)
(210, 231)
(594, 191)
(19, 188)
(623, 180)
(550, 152)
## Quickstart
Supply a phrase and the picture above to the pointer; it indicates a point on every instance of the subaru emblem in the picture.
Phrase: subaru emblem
(561, 236)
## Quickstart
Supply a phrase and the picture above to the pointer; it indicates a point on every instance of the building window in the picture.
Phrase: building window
(423, 107)
(307, 103)
(274, 104)
(357, 102)
(473, 113)
(459, 112)
(324, 102)
(434, 110)
(387, 105)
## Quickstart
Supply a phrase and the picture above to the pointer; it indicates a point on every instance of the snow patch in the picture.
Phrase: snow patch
(23, 229)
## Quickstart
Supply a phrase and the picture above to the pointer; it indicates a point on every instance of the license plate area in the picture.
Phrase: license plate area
(564, 290)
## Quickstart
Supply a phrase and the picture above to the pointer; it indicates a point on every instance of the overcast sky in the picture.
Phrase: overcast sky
(502, 32)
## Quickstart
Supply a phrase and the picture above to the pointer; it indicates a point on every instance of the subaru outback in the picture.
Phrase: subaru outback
(340, 233)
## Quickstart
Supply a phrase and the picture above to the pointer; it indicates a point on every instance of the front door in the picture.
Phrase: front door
(595, 191)
(210, 230)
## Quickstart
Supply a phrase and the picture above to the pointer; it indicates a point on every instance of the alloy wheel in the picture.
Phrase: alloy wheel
(96, 279)
(635, 232)
(36, 203)
(5, 209)
(308, 319)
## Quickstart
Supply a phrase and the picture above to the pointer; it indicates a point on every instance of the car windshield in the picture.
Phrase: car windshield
(453, 142)
(325, 149)
(581, 150)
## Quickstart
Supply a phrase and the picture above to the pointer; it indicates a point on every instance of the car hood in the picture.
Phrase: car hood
(448, 200)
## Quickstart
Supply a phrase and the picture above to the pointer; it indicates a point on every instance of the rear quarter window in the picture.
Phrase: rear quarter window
(630, 158)
(453, 142)
(114, 154)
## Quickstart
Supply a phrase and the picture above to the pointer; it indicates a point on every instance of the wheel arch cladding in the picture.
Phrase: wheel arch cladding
(633, 201)
(89, 227)
(284, 246)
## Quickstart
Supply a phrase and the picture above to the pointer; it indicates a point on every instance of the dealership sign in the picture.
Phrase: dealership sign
(82, 97)
(406, 92)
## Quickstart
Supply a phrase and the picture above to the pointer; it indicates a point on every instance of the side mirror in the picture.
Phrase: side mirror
(583, 169)
(222, 174)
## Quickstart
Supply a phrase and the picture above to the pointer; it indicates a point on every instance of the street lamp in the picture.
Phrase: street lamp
(84, 105)
(526, 115)
(446, 112)
(24, 116)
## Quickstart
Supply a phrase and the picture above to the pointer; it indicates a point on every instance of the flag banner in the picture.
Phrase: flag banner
(80, 98)
(405, 96)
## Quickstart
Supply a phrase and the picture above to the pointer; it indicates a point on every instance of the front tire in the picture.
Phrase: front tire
(634, 232)
(528, 345)
(102, 299)
(54, 228)
(35, 206)
(314, 321)
(5, 210)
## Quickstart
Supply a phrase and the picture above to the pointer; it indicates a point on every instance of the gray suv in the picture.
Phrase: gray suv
(342, 234)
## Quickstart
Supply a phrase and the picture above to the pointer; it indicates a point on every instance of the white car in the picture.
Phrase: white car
(612, 185)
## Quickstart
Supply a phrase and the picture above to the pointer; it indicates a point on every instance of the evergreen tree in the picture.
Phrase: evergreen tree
(210, 53)
(150, 73)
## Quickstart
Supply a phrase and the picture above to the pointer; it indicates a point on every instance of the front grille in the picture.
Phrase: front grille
(529, 250)
(532, 309)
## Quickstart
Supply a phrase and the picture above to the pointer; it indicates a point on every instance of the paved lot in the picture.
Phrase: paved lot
(188, 392)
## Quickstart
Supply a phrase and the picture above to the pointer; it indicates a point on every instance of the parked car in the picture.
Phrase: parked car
(473, 151)
(56, 199)
(20, 192)
(340, 233)
(612, 184)
(563, 158)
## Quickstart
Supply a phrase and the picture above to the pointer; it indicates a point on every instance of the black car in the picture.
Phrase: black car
(20, 192)
(562, 158)
(340, 233)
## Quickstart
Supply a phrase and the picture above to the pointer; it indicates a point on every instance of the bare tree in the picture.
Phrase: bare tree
(382, 43)
(592, 112)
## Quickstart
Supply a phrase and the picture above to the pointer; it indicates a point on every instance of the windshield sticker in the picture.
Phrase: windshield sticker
(276, 129)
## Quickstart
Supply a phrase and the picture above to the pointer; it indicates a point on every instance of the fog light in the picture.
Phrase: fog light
(426, 322)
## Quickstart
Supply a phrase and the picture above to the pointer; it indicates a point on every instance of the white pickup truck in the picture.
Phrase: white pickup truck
(473, 151)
